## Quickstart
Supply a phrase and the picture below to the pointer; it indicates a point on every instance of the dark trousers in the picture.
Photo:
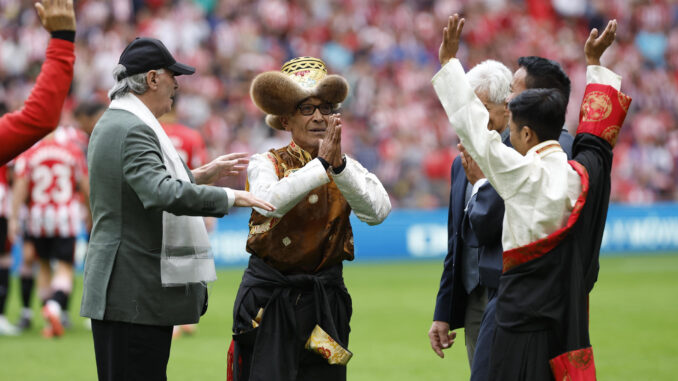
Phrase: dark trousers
(481, 359)
(126, 351)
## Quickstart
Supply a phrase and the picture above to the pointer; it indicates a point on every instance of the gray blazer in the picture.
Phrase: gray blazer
(130, 188)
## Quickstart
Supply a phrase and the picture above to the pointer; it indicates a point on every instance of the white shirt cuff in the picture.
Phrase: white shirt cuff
(603, 75)
(231, 196)
(477, 185)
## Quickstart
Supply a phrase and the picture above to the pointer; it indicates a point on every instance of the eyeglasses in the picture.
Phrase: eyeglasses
(308, 109)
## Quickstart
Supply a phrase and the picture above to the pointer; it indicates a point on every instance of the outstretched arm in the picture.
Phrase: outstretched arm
(503, 166)
(603, 108)
(42, 110)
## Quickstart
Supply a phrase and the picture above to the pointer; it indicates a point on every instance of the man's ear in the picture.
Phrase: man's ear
(152, 79)
(529, 134)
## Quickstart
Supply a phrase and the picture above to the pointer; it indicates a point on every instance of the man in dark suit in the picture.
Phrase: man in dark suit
(463, 289)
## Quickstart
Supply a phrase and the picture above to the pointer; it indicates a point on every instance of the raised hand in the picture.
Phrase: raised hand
(330, 145)
(451, 33)
(473, 172)
(56, 14)
(596, 45)
(225, 165)
(244, 198)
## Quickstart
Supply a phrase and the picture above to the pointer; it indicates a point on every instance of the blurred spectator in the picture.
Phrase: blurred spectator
(388, 50)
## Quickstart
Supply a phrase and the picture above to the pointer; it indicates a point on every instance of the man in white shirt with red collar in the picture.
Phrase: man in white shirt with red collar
(542, 307)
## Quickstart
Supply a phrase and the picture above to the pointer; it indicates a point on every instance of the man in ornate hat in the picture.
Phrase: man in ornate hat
(292, 311)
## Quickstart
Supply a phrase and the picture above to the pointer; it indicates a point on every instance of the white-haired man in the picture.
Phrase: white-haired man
(473, 263)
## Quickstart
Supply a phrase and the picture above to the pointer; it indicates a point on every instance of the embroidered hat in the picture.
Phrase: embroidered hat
(145, 53)
(280, 92)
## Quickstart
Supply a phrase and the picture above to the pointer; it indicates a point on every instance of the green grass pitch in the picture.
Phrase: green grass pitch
(634, 311)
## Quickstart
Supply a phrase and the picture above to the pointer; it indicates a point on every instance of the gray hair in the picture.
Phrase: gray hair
(135, 83)
(491, 77)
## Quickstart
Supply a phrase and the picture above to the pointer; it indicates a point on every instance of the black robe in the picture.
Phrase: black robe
(542, 308)
(292, 305)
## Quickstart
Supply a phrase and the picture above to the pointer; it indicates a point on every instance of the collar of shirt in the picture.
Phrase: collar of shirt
(545, 148)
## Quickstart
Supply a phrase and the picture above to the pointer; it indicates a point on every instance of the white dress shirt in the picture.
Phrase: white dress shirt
(363, 191)
(540, 188)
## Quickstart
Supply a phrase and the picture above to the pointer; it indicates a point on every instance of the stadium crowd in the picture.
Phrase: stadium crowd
(388, 52)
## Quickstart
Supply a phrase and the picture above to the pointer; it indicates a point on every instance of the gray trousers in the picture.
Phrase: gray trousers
(475, 307)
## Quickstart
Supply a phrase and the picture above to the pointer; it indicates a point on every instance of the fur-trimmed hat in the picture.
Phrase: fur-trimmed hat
(280, 92)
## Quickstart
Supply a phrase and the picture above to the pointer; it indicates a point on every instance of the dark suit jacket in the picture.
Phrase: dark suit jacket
(481, 227)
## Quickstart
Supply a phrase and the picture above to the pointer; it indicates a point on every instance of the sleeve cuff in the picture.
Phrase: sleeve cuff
(477, 186)
(68, 35)
(340, 168)
(231, 196)
(323, 162)
(603, 76)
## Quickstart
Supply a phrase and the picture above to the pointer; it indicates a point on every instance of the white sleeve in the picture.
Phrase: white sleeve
(505, 168)
(603, 75)
(363, 192)
(283, 193)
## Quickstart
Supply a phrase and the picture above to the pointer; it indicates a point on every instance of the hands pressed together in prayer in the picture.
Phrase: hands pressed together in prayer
(330, 145)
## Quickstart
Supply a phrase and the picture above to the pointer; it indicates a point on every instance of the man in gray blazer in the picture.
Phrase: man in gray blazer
(148, 258)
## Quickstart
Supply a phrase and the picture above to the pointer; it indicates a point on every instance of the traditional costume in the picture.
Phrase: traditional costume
(292, 311)
(552, 230)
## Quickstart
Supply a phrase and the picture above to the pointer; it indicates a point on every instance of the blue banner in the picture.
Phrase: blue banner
(416, 234)
(412, 234)
(641, 228)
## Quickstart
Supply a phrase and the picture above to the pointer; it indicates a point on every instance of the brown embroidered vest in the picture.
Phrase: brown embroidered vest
(314, 235)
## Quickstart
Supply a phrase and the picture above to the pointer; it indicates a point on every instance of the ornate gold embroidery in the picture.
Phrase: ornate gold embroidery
(299, 153)
(624, 101)
(265, 226)
(610, 134)
(306, 71)
(257, 319)
(596, 106)
(581, 359)
(322, 344)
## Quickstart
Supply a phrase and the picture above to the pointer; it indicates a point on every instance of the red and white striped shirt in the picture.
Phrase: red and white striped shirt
(4, 193)
(53, 169)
